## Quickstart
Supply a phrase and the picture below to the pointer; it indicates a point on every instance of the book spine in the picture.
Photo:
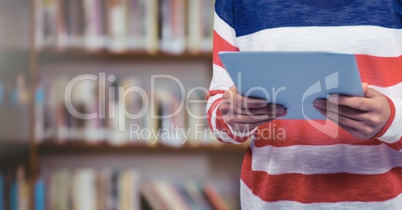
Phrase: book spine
(1, 192)
(23, 190)
(171, 26)
(39, 24)
(40, 197)
(151, 23)
(195, 193)
(14, 196)
(207, 25)
(117, 25)
(214, 197)
(104, 26)
(39, 114)
(194, 23)
(1, 93)
(74, 22)
(93, 30)
(134, 25)
(61, 26)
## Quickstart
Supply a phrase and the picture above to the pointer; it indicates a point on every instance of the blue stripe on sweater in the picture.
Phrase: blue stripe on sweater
(251, 16)
(224, 9)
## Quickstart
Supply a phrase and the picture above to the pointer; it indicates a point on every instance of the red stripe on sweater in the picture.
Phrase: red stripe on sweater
(390, 120)
(380, 71)
(299, 132)
(220, 45)
(211, 109)
(220, 122)
(397, 145)
(214, 92)
(321, 187)
(222, 126)
(210, 112)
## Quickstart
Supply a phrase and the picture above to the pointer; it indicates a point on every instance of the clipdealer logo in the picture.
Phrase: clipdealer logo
(331, 82)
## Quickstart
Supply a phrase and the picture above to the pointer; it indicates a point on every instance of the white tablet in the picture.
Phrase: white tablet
(293, 79)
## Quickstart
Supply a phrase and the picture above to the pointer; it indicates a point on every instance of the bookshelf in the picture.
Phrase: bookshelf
(36, 155)
(12, 153)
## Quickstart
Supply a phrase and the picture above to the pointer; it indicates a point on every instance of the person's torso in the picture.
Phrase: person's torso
(370, 29)
(292, 164)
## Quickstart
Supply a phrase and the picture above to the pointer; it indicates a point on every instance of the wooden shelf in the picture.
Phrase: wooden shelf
(13, 148)
(84, 55)
(49, 148)
(13, 153)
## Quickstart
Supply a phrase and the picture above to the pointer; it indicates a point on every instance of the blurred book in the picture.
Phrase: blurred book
(14, 196)
(173, 130)
(83, 190)
(7, 179)
(151, 19)
(40, 113)
(117, 19)
(207, 24)
(111, 189)
(131, 104)
(125, 25)
(116, 134)
(22, 190)
(214, 197)
(1, 93)
(14, 109)
(136, 33)
(14, 91)
(59, 189)
(129, 190)
(14, 190)
(76, 24)
(200, 25)
(196, 195)
(88, 189)
(119, 112)
(40, 194)
(196, 118)
(104, 189)
(163, 194)
(46, 33)
(169, 195)
(95, 29)
(194, 25)
(172, 14)
(1, 192)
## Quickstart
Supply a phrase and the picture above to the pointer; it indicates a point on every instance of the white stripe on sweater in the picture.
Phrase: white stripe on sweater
(224, 30)
(367, 40)
(220, 134)
(221, 79)
(394, 91)
(251, 201)
(328, 159)
(394, 132)
(212, 99)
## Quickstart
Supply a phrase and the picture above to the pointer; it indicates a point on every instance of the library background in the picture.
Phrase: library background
(51, 159)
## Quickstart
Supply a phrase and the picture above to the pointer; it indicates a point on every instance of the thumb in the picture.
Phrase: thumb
(365, 87)
(369, 92)
(233, 88)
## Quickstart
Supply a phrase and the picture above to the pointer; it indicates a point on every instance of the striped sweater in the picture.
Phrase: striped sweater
(308, 169)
